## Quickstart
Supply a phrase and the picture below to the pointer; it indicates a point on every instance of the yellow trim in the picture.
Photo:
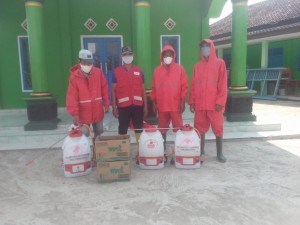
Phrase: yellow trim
(37, 4)
(147, 4)
(241, 88)
(40, 94)
(240, 4)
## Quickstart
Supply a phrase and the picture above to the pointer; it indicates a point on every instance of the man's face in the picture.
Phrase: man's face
(205, 49)
(167, 53)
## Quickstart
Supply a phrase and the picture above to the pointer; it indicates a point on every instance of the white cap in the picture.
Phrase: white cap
(86, 56)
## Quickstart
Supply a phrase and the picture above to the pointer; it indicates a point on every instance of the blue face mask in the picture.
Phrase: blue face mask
(205, 51)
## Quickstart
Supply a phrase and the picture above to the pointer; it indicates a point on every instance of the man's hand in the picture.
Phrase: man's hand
(218, 108)
(115, 112)
(192, 108)
(154, 107)
(106, 109)
(76, 120)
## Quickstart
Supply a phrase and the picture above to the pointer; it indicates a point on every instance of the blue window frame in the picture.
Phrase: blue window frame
(24, 64)
(106, 52)
(275, 57)
(174, 41)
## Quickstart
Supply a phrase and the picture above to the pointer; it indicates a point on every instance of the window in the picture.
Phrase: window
(24, 64)
(275, 57)
(174, 41)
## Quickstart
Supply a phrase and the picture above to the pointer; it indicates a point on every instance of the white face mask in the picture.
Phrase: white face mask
(86, 68)
(168, 60)
(205, 51)
(127, 59)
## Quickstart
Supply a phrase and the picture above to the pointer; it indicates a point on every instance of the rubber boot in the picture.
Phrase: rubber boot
(202, 144)
(165, 147)
(220, 156)
(137, 139)
(202, 148)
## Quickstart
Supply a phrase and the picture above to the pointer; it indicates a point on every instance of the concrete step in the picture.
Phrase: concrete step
(15, 138)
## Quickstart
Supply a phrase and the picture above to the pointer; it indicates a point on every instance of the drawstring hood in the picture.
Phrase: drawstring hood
(212, 56)
(167, 48)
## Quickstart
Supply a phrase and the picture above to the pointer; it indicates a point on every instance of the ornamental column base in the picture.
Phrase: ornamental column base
(239, 106)
(41, 113)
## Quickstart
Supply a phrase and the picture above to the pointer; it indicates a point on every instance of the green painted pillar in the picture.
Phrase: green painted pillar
(143, 39)
(41, 105)
(264, 54)
(36, 42)
(142, 34)
(239, 44)
(239, 102)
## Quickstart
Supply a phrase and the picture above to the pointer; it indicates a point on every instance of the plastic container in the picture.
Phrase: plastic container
(151, 149)
(187, 148)
(77, 154)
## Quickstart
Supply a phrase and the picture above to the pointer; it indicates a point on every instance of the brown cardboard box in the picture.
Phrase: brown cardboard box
(113, 171)
(112, 148)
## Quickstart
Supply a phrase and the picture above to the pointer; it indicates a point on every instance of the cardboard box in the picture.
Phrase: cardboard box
(113, 171)
(112, 148)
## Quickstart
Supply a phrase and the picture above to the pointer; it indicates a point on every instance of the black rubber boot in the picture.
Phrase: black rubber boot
(202, 144)
(165, 147)
(220, 156)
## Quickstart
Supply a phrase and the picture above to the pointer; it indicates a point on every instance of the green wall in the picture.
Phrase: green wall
(11, 95)
(64, 25)
(254, 56)
(290, 54)
(188, 27)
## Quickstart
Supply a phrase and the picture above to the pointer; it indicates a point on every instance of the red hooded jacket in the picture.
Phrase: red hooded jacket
(209, 82)
(169, 84)
(85, 95)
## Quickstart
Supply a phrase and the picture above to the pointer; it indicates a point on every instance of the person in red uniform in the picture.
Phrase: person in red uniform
(129, 100)
(169, 90)
(208, 95)
(87, 93)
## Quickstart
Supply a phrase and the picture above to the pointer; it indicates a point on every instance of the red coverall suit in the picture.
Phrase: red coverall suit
(208, 89)
(85, 95)
(169, 89)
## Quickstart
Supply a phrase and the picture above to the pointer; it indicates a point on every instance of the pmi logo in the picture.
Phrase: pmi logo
(151, 143)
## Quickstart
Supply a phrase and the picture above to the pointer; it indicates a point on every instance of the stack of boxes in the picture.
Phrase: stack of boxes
(113, 158)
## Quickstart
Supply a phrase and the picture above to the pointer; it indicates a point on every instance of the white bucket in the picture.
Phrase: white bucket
(151, 149)
(187, 149)
(77, 155)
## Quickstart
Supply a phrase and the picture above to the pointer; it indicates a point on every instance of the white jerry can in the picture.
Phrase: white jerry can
(151, 149)
(77, 154)
(187, 148)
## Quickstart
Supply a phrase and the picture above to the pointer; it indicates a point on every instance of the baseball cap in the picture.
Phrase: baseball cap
(126, 50)
(86, 56)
